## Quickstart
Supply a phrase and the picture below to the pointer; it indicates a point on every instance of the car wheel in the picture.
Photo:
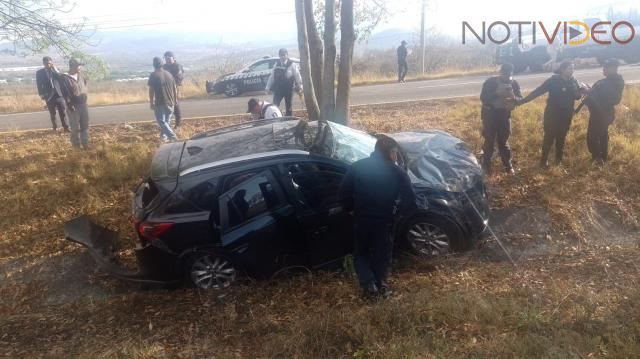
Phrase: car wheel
(208, 271)
(433, 236)
(231, 89)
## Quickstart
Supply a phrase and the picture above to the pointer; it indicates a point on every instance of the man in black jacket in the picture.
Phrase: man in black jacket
(564, 90)
(499, 95)
(51, 93)
(177, 71)
(601, 101)
(375, 184)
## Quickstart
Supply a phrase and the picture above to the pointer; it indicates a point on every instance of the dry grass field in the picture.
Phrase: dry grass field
(574, 291)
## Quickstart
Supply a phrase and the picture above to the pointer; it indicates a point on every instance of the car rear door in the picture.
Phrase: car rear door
(257, 223)
(327, 227)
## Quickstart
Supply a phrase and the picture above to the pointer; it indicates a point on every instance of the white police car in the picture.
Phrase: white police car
(252, 77)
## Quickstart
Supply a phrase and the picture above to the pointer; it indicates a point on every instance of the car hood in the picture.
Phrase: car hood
(437, 160)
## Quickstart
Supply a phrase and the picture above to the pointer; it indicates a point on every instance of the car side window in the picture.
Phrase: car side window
(260, 66)
(249, 199)
(316, 185)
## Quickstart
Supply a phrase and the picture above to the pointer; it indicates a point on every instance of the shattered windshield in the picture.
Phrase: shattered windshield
(349, 145)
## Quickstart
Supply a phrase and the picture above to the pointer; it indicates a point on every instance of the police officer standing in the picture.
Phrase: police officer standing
(374, 184)
(499, 95)
(563, 91)
(175, 69)
(284, 77)
(601, 101)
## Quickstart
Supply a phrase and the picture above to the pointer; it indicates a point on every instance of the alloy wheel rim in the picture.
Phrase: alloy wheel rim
(231, 89)
(212, 273)
(428, 239)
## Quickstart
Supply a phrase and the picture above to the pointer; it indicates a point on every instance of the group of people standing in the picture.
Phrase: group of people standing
(66, 93)
(501, 94)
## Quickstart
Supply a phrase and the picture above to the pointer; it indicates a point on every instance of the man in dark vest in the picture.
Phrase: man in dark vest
(601, 101)
(499, 95)
(285, 75)
(50, 92)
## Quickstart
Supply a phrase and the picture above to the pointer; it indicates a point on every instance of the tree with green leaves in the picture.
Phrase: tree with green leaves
(35, 26)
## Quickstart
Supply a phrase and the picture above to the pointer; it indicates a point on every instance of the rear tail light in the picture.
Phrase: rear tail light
(151, 230)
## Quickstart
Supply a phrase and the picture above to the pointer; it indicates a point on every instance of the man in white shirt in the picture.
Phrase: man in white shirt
(263, 110)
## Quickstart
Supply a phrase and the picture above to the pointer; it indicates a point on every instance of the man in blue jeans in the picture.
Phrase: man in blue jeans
(375, 184)
(163, 97)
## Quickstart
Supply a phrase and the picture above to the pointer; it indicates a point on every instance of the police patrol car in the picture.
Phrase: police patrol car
(251, 78)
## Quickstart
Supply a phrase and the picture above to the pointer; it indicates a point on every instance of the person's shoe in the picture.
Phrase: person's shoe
(66, 129)
(510, 171)
(370, 292)
(385, 292)
(86, 147)
(544, 164)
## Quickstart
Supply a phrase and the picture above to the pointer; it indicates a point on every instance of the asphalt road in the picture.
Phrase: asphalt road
(362, 95)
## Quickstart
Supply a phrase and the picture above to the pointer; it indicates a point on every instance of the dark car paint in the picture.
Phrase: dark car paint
(245, 80)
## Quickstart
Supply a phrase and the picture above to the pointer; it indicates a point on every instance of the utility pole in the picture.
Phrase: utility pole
(424, 2)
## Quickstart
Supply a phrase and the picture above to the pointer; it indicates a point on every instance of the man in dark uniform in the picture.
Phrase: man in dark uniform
(601, 101)
(177, 71)
(375, 184)
(499, 95)
(403, 67)
(563, 91)
(47, 81)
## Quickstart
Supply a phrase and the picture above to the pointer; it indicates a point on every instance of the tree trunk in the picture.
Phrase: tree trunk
(315, 49)
(347, 41)
(328, 103)
(303, 45)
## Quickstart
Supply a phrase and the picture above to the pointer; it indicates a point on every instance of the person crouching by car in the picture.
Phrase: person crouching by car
(163, 96)
(373, 185)
(284, 77)
(74, 90)
(498, 97)
(263, 110)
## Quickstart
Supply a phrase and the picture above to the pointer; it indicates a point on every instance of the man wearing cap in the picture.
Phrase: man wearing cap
(499, 95)
(176, 70)
(50, 91)
(263, 110)
(403, 67)
(163, 97)
(601, 102)
(284, 77)
(74, 90)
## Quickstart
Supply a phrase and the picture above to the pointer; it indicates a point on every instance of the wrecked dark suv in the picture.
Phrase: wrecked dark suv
(261, 196)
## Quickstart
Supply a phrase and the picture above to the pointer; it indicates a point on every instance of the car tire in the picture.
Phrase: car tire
(433, 236)
(232, 90)
(207, 271)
